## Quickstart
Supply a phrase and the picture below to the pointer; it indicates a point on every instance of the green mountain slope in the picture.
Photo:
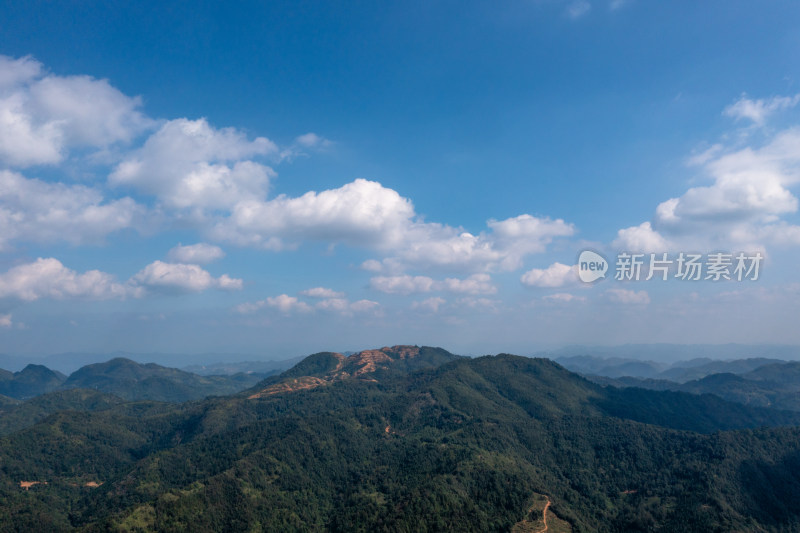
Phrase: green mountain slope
(31, 381)
(22, 415)
(465, 446)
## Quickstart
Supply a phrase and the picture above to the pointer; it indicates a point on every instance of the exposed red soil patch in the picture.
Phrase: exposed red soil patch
(292, 385)
(28, 484)
(358, 365)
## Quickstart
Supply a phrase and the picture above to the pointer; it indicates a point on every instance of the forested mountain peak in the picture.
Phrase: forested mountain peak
(30, 381)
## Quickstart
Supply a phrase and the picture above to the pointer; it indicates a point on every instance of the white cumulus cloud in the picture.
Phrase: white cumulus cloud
(556, 275)
(321, 292)
(40, 211)
(215, 180)
(760, 109)
(475, 284)
(366, 214)
(312, 140)
(198, 254)
(327, 301)
(48, 278)
(364, 306)
(362, 213)
(287, 304)
(190, 164)
(161, 276)
(404, 284)
(641, 238)
(283, 302)
(345, 307)
(42, 116)
(743, 206)
(503, 248)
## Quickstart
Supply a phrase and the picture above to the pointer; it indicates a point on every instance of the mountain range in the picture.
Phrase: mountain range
(126, 379)
(408, 439)
(199, 363)
(680, 371)
(772, 385)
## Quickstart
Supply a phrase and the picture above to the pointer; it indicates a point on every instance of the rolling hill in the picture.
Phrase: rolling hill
(21, 415)
(677, 372)
(124, 378)
(135, 381)
(327, 367)
(775, 385)
(31, 381)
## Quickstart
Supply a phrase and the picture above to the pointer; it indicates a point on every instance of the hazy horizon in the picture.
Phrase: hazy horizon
(662, 353)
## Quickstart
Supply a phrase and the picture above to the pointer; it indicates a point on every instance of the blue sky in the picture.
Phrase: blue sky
(280, 178)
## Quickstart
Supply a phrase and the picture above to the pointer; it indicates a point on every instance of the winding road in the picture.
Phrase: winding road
(544, 516)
